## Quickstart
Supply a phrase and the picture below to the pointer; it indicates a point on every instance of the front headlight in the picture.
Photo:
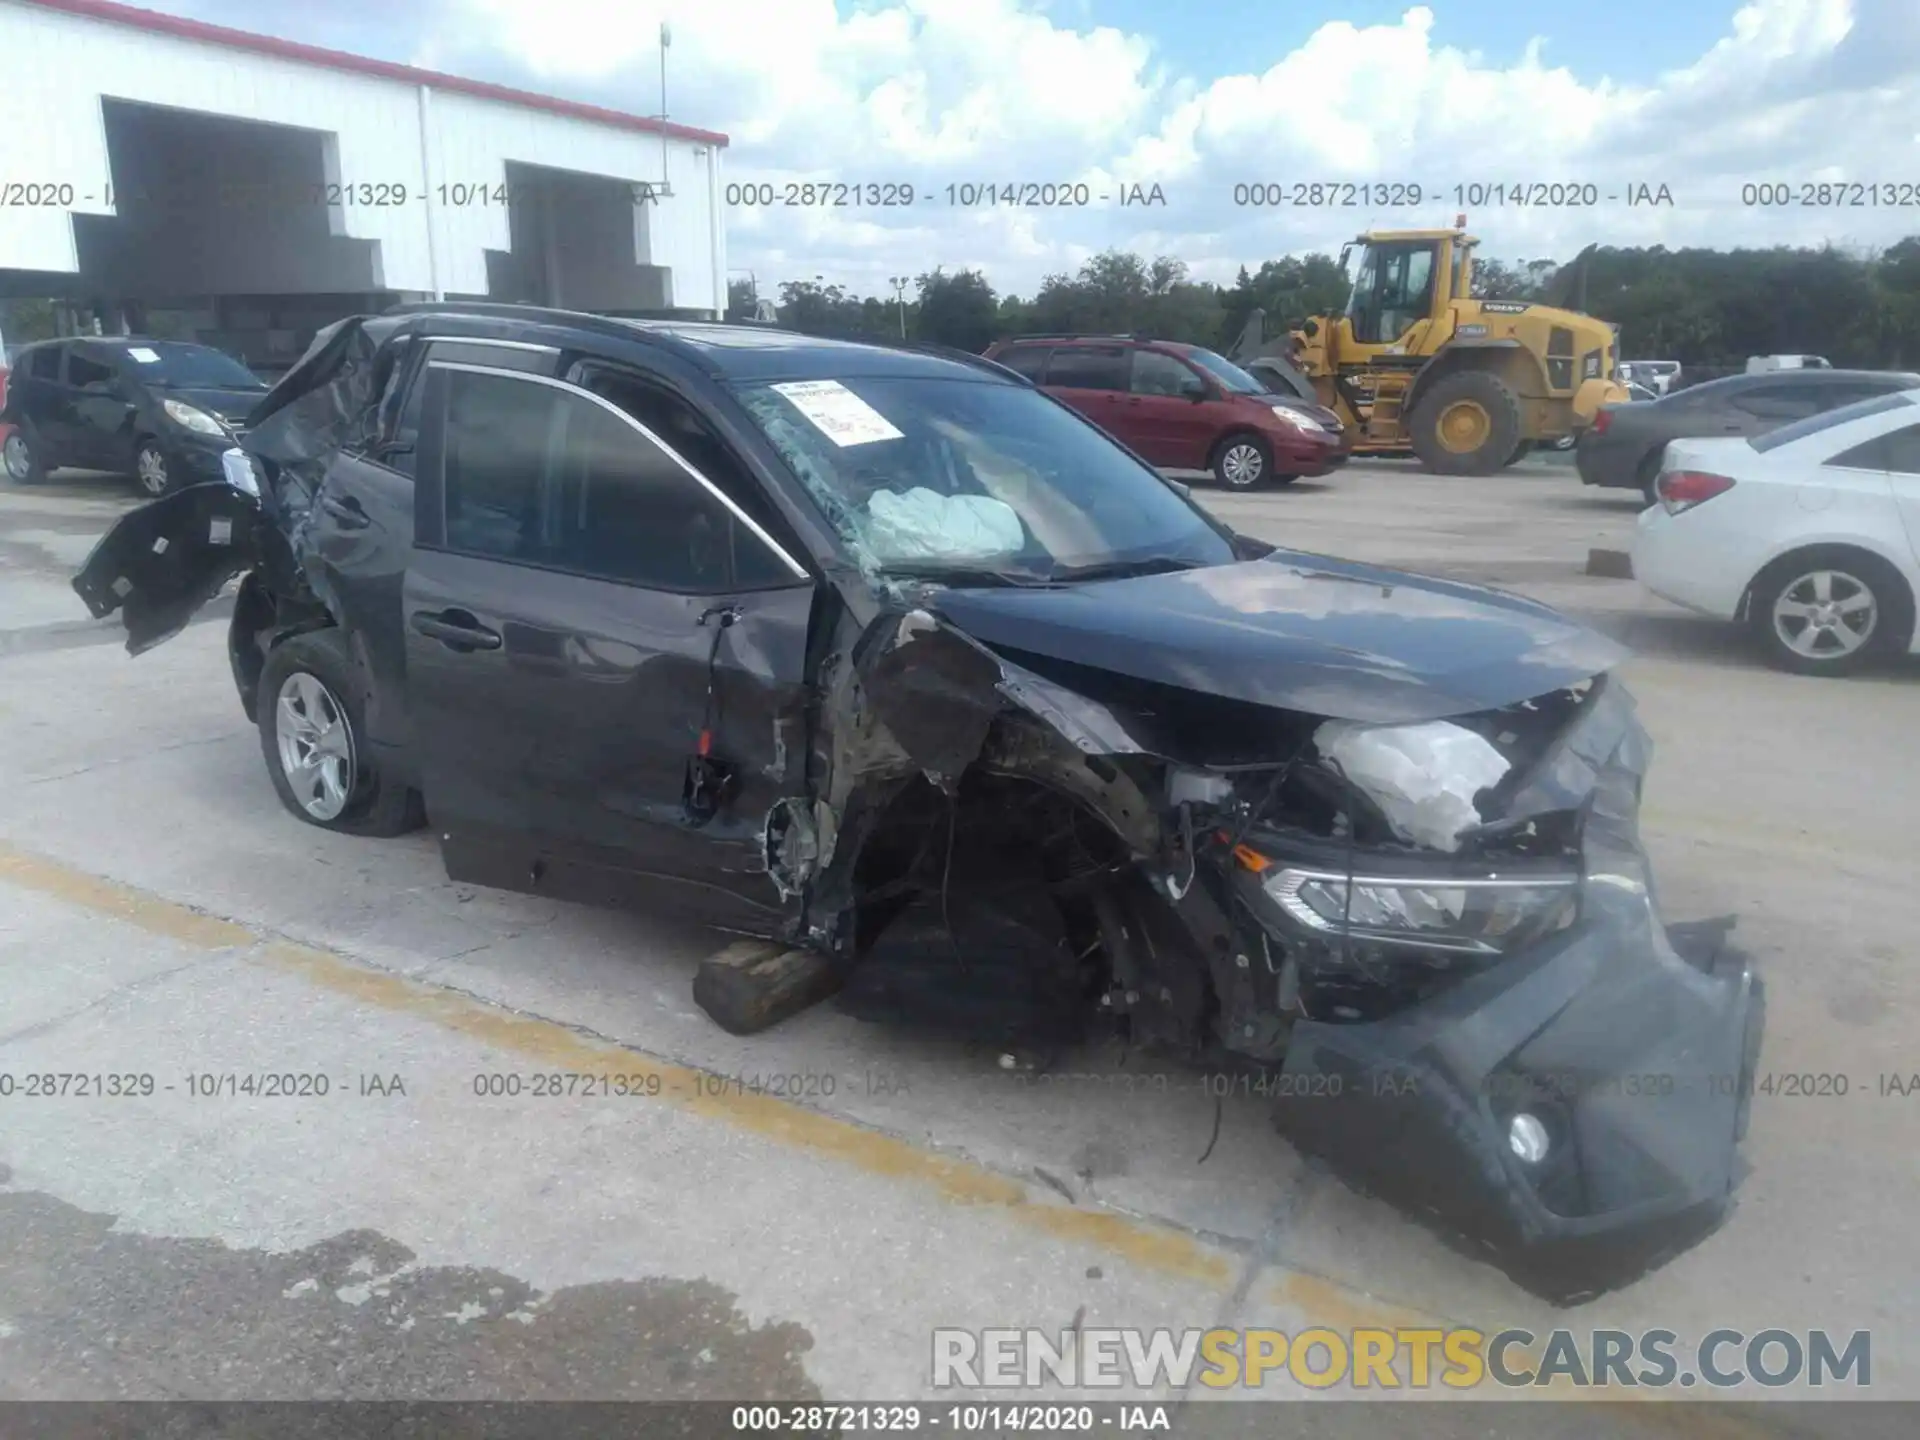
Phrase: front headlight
(198, 421)
(1477, 916)
(1298, 421)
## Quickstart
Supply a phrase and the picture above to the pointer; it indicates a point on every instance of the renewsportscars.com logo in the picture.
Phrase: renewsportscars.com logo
(1393, 1359)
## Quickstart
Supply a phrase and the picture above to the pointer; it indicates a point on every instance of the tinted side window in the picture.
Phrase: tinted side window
(1027, 360)
(1155, 373)
(83, 369)
(1826, 420)
(1088, 367)
(1898, 450)
(1781, 401)
(45, 363)
(542, 476)
(400, 428)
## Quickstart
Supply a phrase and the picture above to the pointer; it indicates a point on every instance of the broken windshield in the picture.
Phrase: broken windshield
(975, 475)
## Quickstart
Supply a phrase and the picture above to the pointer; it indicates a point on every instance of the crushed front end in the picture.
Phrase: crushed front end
(1504, 1039)
(1442, 935)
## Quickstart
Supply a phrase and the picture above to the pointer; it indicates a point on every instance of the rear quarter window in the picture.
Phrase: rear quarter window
(1828, 420)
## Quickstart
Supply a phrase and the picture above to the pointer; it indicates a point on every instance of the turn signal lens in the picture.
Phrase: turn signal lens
(1684, 489)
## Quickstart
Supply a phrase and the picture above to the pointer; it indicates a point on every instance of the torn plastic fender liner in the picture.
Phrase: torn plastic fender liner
(164, 561)
(1632, 1060)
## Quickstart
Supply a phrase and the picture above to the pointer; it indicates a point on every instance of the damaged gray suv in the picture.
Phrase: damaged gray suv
(885, 655)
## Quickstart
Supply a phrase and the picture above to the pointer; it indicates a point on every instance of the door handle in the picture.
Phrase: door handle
(456, 629)
(346, 510)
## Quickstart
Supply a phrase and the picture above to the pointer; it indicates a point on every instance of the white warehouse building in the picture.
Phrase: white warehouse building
(163, 175)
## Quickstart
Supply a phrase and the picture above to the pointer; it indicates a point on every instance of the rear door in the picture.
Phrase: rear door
(1897, 455)
(1173, 427)
(1094, 380)
(40, 402)
(361, 524)
(605, 655)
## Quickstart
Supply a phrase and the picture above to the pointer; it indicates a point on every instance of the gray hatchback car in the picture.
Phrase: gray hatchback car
(1623, 446)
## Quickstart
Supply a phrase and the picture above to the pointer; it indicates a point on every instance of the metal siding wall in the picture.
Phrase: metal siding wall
(58, 66)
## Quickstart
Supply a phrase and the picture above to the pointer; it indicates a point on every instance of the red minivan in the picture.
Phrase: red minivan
(1182, 407)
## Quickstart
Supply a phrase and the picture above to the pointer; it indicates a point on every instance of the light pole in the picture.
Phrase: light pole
(899, 283)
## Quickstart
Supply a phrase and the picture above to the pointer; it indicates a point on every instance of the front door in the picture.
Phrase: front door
(605, 655)
(101, 414)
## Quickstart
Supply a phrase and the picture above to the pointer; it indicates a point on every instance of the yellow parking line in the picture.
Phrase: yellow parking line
(1152, 1246)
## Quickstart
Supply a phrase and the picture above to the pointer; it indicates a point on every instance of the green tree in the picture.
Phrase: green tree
(959, 310)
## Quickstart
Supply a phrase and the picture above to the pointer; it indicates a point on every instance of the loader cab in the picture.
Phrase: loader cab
(1400, 282)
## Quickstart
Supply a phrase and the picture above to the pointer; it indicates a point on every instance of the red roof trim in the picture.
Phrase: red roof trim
(200, 30)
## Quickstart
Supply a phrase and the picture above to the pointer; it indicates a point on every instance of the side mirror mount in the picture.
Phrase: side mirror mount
(1194, 388)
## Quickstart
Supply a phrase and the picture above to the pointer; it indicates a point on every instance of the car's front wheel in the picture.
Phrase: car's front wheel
(312, 734)
(1242, 462)
(1829, 611)
(21, 458)
(151, 471)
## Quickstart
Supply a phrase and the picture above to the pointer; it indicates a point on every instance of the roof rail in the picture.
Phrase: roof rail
(1082, 335)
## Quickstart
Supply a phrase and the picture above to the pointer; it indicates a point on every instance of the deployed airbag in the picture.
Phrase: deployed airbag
(1423, 777)
(923, 524)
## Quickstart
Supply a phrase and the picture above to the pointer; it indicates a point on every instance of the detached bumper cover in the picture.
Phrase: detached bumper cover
(1636, 1060)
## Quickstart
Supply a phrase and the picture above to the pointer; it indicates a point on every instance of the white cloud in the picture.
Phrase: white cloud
(943, 91)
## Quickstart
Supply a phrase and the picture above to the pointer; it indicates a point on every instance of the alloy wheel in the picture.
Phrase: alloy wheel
(1825, 615)
(150, 466)
(19, 459)
(315, 741)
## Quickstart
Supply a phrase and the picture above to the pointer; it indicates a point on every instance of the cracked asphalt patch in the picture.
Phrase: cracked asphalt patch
(90, 1312)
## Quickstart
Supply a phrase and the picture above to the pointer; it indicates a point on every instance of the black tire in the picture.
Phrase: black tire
(1242, 461)
(1850, 576)
(1467, 387)
(371, 804)
(1520, 452)
(154, 473)
(22, 457)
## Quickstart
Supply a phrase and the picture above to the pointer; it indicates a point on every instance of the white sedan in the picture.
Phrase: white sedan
(1809, 534)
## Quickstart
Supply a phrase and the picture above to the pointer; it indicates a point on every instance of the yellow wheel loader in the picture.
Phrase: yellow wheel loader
(1416, 364)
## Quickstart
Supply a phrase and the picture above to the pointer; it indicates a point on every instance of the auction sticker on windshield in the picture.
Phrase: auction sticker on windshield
(143, 355)
(837, 413)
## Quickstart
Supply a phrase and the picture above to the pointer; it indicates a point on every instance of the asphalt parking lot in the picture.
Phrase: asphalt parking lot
(404, 1235)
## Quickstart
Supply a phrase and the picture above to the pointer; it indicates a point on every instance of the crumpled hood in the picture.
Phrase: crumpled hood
(1299, 632)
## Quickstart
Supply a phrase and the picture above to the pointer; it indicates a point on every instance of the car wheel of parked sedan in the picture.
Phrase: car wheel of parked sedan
(310, 732)
(1829, 611)
(21, 459)
(151, 471)
(1242, 462)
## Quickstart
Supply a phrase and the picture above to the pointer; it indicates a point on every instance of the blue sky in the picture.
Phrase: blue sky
(1633, 40)
(1702, 96)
